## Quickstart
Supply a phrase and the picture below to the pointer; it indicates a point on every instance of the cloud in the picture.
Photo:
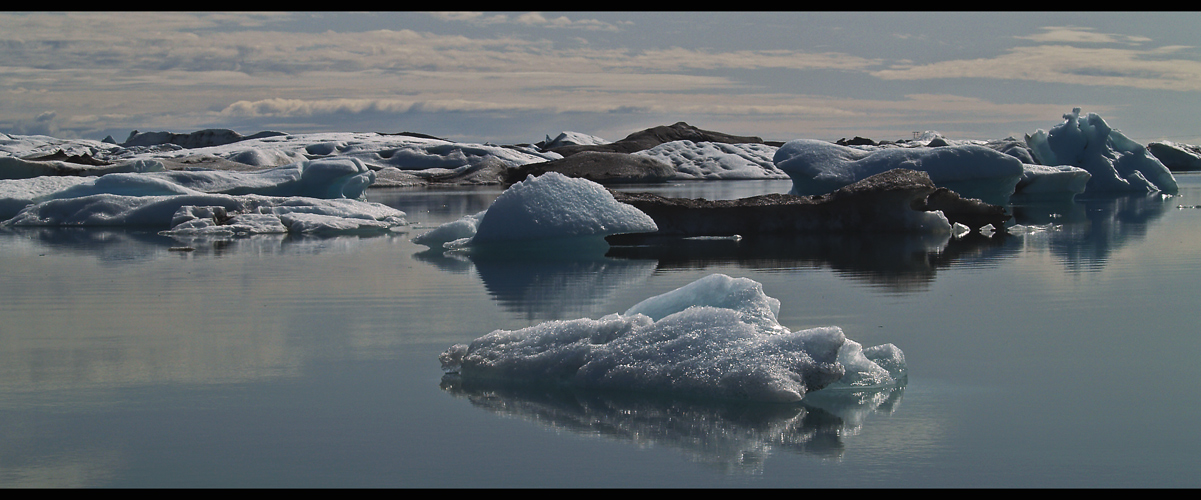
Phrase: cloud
(45, 123)
(1073, 34)
(1144, 69)
(279, 107)
(527, 19)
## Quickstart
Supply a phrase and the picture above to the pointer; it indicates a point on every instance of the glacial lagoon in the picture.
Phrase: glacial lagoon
(1064, 356)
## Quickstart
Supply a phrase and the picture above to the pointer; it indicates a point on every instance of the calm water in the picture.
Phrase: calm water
(1064, 358)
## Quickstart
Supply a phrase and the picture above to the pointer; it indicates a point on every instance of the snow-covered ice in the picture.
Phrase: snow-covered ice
(716, 338)
(327, 178)
(1116, 163)
(178, 213)
(309, 196)
(550, 206)
(717, 160)
(568, 138)
(819, 167)
(1041, 181)
(405, 152)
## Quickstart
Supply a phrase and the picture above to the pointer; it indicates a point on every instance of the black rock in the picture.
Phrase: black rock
(857, 141)
(60, 155)
(654, 136)
(416, 134)
(199, 139)
(1176, 156)
(599, 167)
(880, 203)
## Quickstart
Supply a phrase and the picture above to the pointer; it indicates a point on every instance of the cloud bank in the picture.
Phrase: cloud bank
(67, 73)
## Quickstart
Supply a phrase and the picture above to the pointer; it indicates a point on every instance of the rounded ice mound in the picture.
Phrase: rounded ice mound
(717, 338)
(550, 206)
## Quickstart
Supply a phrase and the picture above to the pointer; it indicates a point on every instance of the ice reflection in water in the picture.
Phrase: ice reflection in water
(734, 437)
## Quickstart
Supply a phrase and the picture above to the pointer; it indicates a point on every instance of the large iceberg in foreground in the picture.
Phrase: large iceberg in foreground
(819, 167)
(715, 338)
(1116, 163)
(550, 206)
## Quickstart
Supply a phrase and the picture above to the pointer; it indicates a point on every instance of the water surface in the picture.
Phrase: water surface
(1059, 358)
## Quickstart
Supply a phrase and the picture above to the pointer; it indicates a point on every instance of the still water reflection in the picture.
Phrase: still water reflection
(132, 359)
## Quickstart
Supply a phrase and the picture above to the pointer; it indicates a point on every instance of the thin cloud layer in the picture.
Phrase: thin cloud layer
(1142, 69)
(1074, 34)
(96, 73)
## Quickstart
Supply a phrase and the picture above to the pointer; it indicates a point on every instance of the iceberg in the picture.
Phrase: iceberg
(326, 178)
(1115, 163)
(311, 196)
(717, 338)
(198, 213)
(819, 167)
(548, 207)
(1041, 181)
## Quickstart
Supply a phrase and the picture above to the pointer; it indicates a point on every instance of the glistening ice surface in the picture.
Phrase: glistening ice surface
(1062, 356)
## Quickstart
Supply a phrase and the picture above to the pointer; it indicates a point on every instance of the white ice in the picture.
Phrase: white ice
(715, 160)
(376, 150)
(568, 138)
(550, 206)
(1041, 181)
(326, 178)
(819, 167)
(1116, 163)
(202, 213)
(719, 339)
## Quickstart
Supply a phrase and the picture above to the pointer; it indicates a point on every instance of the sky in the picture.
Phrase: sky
(517, 77)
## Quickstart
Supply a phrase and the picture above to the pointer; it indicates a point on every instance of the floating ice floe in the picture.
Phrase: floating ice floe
(717, 160)
(327, 178)
(548, 207)
(1116, 163)
(215, 214)
(311, 196)
(819, 167)
(716, 338)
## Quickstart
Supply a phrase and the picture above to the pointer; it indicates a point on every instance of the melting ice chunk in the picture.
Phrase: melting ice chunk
(715, 338)
(1115, 163)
